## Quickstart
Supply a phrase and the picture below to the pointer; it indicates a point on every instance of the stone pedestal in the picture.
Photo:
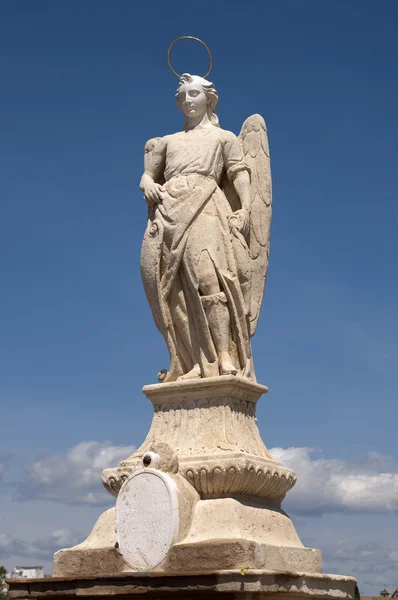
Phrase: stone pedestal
(198, 509)
(227, 488)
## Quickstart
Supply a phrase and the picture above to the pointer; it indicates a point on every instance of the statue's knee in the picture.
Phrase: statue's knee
(207, 276)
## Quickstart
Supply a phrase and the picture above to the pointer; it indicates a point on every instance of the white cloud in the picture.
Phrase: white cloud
(73, 478)
(334, 485)
(40, 549)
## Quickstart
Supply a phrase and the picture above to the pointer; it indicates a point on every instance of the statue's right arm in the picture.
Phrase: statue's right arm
(154, 172)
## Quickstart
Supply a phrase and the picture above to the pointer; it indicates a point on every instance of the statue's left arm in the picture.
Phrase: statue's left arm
(239, 174)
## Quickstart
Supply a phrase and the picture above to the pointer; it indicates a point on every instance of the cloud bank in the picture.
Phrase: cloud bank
(40, 549)
(367, 485)
(73, 478)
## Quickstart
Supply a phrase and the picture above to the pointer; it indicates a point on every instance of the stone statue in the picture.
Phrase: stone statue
(199, 502)
(205, 251)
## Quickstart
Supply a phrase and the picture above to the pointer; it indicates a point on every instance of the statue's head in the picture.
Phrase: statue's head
(196, 97)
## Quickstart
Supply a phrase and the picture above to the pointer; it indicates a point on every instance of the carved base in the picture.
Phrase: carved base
(224, 533)
(224, 512)
(211, 425)
(229, 533)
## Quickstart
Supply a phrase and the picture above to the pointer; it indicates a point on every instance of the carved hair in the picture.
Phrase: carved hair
(209, 90)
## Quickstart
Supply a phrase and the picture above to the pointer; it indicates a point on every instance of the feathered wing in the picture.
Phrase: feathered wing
(254, 140)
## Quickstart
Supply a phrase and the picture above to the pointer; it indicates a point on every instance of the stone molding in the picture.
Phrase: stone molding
(237, 474)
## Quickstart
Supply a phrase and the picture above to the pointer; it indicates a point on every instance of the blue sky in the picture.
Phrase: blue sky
(83, 85)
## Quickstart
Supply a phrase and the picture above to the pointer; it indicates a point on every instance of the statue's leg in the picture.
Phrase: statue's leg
(215, 305)
(186, 345)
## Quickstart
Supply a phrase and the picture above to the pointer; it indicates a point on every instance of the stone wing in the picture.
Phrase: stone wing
(254, 140)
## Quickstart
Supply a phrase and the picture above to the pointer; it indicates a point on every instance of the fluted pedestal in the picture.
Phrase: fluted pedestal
(211, 425)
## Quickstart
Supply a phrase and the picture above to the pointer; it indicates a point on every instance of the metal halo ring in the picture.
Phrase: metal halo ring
(190, 37)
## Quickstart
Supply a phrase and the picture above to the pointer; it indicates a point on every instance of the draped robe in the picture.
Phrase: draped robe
(192, 218)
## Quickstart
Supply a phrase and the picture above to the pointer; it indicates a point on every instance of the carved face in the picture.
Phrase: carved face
(192, 100)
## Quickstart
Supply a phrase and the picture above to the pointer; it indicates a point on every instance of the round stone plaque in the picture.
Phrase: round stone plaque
(146, 518)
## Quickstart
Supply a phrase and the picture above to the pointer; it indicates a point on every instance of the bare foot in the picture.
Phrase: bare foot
(226, 366)
(228, 369)
(192, 374)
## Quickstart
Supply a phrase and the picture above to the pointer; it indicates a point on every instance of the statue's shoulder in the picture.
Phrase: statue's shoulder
(169, 138)
(172, 136)
(157, 141)
(226, 135)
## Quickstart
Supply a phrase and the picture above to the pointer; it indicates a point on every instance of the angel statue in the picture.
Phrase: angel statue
(205, 250)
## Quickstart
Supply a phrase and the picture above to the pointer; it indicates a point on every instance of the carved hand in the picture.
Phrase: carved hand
(241, 220)
(153, 193)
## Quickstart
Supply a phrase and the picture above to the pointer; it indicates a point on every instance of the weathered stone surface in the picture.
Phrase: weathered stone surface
(227, 533)
(221, 584)
(214, 533)
(147, 518)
